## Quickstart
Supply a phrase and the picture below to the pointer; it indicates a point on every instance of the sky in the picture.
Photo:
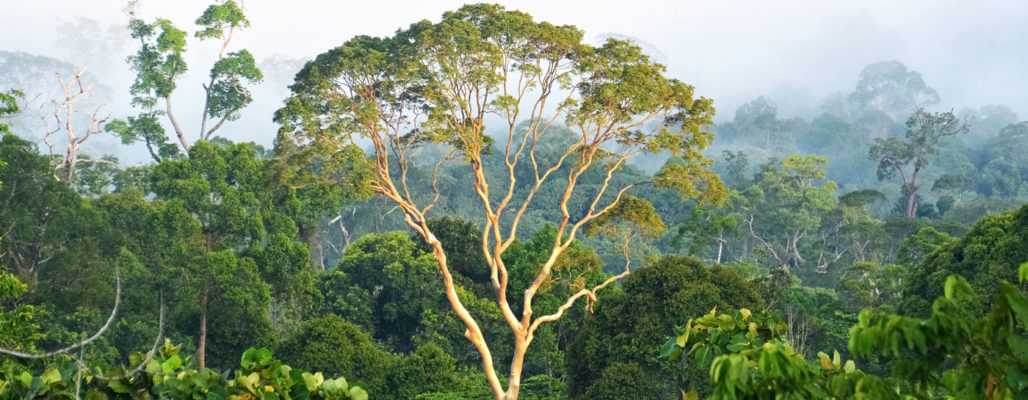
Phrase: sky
(796, 52)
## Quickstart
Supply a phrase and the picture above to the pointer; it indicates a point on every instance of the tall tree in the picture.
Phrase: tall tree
(787, 203)
(218, 190)
(160, 63)
(889, 89)
(906, 158)
(437, 82)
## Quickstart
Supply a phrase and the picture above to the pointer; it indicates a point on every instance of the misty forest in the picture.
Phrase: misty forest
(486, 204)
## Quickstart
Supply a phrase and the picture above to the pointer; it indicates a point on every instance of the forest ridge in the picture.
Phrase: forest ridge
(490, 206)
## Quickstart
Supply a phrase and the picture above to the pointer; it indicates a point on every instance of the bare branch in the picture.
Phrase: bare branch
(106, 325)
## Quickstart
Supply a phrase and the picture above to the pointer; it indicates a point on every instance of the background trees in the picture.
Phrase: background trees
(618, 342)
(526, 171)
(159, 64)
(906, 159)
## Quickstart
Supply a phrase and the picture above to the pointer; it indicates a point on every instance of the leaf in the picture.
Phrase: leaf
(171, 364)
(850, 367)
(335, 386)
(51, 376)
(690, 395)
(826, 362)
(683, 339)
(1019, 304)
(1019, 347)
(249, 382)
(356, 393)
(118, 386)
(313, 381)
(25, 378)
(746, 313)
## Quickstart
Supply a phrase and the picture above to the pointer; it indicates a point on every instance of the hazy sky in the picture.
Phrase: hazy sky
(972, 52)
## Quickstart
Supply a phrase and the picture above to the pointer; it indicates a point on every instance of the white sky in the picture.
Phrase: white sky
(973, 52)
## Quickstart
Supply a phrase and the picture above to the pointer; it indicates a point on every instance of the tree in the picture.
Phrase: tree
(988, 254)
(19, 322)
(218, 189)
(1003, 172)
(436, 82)
(987, 121)
(8, 107)
(626, 327)
(791, 197)
(397, 275)
(65, 119)
(39, 214)
(907, 158)
(33, 76)
(160, 63)
(955, 352)
(889, 88)
(338, 347)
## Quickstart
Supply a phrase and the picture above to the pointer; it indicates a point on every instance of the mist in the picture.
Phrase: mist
(796, 53)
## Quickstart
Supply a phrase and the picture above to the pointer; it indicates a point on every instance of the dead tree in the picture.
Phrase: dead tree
(63, 118)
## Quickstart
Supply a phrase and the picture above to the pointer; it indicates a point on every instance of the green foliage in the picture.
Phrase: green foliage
(8, 107)
(906, 158)
(43, 218)
(987, 255)
(749, 359)
(789, 199)
(160, 63)
(872, 285)
(337, 347)
(19, 323)
(145, 127)
(169, 375)
(426, 370)
(626, 327)
(954, 353)
(401, 281)
(219, 17)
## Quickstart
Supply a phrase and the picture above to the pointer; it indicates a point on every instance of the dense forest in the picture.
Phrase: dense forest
(489, 206)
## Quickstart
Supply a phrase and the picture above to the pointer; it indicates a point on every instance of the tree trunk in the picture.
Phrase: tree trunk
(201, 348)
(912, 196)
(516, 365)
(720, 246)
(911, 205)
(312, 235)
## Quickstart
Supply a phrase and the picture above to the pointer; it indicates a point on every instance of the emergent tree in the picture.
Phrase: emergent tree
(907, 158)
(439, 84)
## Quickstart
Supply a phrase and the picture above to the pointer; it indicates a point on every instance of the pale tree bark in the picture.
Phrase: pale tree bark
(446, 102)
(64, 116)
(388, 141)
(201, 347)
(912, 187)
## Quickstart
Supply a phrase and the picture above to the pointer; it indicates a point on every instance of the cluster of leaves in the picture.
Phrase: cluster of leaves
(168, 374)
(749, 359)
(954, 353)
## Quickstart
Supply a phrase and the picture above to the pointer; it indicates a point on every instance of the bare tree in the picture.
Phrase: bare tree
(63, 118)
